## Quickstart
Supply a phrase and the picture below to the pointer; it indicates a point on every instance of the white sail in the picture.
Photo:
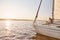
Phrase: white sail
(57, 9)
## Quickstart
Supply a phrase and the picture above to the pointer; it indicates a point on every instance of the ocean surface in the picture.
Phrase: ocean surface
(16, 30)
(20, 30)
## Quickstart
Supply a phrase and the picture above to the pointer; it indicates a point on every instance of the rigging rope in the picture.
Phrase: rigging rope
(37, 11)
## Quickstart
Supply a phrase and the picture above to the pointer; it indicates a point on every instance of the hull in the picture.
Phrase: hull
(48, 30)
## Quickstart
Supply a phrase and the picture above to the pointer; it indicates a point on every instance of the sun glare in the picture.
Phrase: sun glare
(8, 24)
(8, 27)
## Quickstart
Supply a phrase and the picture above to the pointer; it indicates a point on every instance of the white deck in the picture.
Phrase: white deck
(49, 30)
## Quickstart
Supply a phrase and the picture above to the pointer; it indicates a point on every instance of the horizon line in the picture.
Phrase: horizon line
(2, 19)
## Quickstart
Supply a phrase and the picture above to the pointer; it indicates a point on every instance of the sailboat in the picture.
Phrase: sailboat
(51, 29)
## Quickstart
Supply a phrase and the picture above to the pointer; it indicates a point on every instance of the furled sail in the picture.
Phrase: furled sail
(57, 9)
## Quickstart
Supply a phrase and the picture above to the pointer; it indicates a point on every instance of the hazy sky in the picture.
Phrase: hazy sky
(24, 9)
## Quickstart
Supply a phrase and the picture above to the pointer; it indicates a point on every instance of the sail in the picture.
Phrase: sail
(57, 9)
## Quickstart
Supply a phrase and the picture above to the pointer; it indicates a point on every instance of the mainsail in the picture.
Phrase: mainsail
(56, 9)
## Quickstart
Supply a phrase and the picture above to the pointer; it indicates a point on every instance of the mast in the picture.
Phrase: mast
(37, 11)
(53, 12)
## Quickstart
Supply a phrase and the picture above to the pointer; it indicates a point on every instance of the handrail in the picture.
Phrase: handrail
(37, 12)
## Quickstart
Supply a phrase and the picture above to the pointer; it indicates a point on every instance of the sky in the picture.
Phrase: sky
(24, 9)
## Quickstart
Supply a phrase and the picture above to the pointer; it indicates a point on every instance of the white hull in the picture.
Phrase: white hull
(48, 30)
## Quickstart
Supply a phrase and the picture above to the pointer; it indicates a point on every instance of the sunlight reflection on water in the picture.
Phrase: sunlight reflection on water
(8, 24)
(16, 30)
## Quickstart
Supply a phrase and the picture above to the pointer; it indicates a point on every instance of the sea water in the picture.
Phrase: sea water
(16, 30)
